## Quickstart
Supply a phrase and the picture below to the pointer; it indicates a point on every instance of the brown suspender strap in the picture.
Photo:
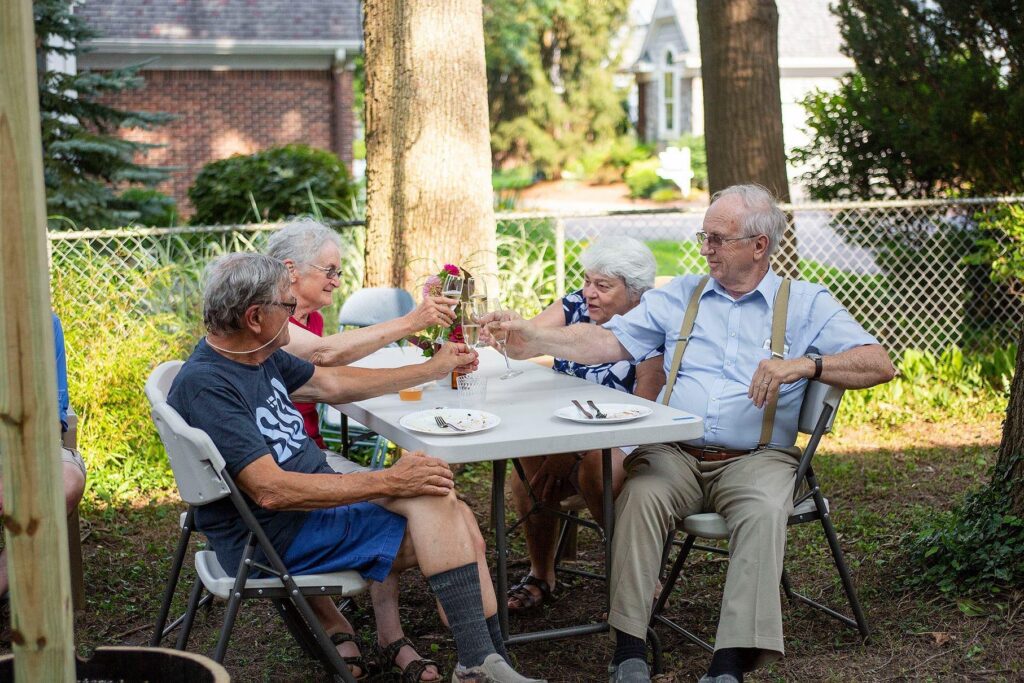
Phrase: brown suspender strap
(684, 336)
(779, 309)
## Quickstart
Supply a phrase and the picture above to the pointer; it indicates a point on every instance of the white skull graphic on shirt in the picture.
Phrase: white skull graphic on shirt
(280, 423)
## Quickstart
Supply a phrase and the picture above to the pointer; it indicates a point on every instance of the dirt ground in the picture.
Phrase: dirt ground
(879, 481)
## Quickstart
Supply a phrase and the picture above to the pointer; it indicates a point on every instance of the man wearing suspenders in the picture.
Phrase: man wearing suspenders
(740, 344)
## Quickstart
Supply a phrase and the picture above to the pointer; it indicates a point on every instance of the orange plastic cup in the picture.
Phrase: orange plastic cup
(411, 394)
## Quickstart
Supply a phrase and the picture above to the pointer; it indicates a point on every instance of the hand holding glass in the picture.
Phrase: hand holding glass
(501, 337)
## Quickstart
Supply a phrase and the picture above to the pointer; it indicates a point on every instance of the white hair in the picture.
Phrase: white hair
(761, 215)
(300, 241)
(622, 257)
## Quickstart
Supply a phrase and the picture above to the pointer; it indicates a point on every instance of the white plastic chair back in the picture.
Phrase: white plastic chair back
(816, 397)
(194, 459)
(159, 383)
(374, 305)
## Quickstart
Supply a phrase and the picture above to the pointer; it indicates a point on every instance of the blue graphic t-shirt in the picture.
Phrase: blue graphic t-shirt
(247, 413)
(619, 375)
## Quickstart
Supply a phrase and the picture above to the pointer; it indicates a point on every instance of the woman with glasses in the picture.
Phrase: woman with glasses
(312, 254)
(617, 271)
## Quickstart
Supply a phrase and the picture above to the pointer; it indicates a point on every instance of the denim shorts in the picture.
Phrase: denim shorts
(363, 537)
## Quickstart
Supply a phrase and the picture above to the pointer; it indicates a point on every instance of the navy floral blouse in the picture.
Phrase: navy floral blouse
(619, 375)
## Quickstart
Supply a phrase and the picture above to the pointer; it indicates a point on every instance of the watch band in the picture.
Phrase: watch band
(817, 365)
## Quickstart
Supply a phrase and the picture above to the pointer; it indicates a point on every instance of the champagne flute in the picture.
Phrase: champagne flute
(501, 336)
(472, 311)
(451, 287)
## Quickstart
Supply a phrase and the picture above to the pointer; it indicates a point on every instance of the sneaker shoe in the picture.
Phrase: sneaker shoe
(721, 678)
(493, 670)
(630, 671)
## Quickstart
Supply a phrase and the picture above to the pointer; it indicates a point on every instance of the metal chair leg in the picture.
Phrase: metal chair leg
(190, 615)
(172, 578)
(844, 575)
(234, 602)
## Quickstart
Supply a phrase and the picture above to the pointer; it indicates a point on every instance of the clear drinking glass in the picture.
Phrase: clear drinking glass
(500, 336)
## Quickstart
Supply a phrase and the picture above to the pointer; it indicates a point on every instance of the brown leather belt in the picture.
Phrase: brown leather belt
(713, 453)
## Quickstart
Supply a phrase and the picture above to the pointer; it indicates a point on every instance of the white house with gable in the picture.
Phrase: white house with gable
(670, 100)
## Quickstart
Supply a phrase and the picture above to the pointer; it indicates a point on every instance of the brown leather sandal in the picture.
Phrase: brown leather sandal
(353, 660)
(527, 599)
(413, 673)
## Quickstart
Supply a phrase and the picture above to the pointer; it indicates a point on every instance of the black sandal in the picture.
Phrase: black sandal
(528, 600)
(351, 661)
(413, 673)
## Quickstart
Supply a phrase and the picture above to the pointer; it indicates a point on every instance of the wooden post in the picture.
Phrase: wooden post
(35, 524)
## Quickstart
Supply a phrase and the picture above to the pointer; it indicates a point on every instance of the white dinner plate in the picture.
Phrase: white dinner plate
(616, 412)
(471, 421)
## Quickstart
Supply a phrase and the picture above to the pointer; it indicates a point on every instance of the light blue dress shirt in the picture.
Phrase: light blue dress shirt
(730, 337)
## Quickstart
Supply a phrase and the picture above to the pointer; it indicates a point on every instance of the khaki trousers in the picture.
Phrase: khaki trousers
(754, 493)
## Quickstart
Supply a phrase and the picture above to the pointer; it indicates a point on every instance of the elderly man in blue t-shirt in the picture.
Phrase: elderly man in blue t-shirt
(238, 386)
(727, 376)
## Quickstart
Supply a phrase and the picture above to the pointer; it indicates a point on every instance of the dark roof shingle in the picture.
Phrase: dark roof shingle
(218, 19)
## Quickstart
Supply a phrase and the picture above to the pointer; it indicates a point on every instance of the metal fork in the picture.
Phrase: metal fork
(597, 411)
(446, 425)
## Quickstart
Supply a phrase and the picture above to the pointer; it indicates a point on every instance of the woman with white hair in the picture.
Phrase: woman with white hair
(617, 271)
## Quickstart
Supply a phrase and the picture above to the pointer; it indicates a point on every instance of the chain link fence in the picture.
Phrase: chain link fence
(899, 267)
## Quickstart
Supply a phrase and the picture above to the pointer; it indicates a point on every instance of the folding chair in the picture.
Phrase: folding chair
(817, 413)
(202, 478)
(363, 308)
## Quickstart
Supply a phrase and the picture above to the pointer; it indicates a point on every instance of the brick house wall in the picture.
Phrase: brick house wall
(221, 113)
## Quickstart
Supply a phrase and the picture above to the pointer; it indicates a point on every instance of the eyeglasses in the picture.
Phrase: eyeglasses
(715, 241)
(332, 273)
(286, 305)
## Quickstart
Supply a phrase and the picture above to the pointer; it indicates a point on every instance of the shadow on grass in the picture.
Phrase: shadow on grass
(877, 497)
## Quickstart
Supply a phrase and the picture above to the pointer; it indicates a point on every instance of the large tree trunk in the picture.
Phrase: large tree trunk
(428, 192)
(1010, 461)
(739, 52)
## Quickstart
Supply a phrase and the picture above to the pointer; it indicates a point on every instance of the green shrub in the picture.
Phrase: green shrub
(666, 194)
(977, 548)
(626, 150)
(269, 185)
(154, 208)
(933, 388)
(643, 179)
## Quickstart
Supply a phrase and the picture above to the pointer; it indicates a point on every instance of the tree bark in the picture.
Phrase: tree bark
(428, 192)
(739, 51)
(1010, 459)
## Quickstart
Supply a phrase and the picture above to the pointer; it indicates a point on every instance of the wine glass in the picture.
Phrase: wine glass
(451, 287)
(472, 311)
(501, 337)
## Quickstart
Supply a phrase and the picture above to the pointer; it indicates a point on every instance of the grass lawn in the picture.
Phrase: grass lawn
(879, 482)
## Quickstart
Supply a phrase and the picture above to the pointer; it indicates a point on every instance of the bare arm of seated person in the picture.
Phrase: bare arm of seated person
(347, 347)
(273, 488)
(650, 378)
(583, 343)
(857, 368)
(343, 384)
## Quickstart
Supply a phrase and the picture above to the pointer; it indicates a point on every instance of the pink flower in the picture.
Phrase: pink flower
(432, 287)
(451, 270)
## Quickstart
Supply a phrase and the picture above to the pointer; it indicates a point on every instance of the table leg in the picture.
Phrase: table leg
(500, 542)
(609, 521)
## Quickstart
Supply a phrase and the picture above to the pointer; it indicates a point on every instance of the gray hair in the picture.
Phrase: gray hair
(622, 257)
(300, 241)
(762, 216)
(234, 282)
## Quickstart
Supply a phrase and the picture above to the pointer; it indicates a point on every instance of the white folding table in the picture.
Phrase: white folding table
(526, 405)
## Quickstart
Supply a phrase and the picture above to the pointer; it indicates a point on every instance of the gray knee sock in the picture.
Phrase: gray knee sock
(499, 643)
(458, 590)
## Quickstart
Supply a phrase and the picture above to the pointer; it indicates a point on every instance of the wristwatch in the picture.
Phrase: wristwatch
(816, 357)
